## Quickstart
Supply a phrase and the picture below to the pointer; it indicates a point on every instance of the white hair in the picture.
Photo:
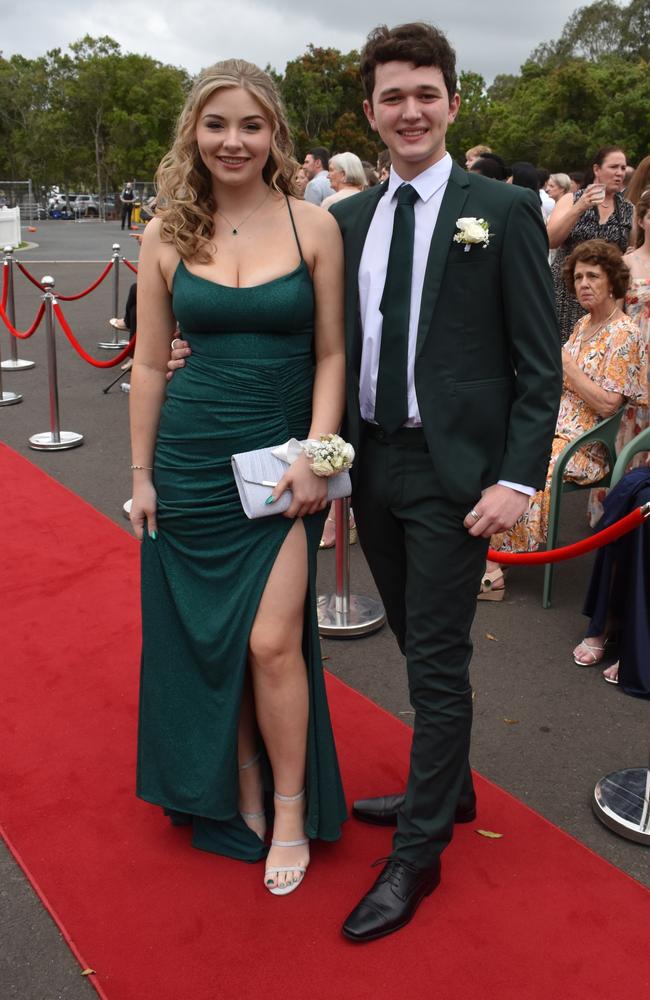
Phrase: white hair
(562, 180)
(351, 166)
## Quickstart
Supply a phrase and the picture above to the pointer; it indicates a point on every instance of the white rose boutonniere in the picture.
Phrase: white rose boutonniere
(472, 231)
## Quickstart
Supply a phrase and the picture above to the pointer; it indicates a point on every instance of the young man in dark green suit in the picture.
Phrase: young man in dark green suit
(453, 384)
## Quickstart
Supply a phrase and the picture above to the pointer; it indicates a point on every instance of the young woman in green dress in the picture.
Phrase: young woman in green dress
(234, 724)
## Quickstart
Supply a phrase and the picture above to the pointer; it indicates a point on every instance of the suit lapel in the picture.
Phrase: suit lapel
(355, 237)
(450, 210)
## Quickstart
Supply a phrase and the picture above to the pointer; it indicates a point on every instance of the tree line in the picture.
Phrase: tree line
(89, 118)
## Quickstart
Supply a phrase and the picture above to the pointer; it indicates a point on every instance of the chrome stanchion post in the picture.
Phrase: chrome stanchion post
(342, 601)
(115, 344)
(622, 802)
(345, 615)
(55, 439)
(14, 363)
(8, 398)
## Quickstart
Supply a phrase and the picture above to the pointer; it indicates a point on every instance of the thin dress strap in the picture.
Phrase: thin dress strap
(295, 231)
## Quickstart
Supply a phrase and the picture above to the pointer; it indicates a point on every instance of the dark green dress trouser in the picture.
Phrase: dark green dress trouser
(428, 570)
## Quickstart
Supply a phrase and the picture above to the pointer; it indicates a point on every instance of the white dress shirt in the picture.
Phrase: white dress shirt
(547, 204)
(430, 186)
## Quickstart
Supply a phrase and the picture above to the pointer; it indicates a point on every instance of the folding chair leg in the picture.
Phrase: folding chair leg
(548, 583)
(553, 522)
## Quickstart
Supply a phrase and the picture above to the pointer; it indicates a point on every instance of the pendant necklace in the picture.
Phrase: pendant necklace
(235, 228)
(600, 326)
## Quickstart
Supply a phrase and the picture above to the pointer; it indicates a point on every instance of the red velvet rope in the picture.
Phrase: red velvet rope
(67, 298)
(23, 270)
(27, 333)
(130, 266)
(79, 349)
(627, 523)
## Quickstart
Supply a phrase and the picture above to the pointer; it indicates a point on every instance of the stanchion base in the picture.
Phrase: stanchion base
(126, 508)
(364, 615)
(9, 398)
(111, 345)
(622, 802)
(47, 442)
(19, 365)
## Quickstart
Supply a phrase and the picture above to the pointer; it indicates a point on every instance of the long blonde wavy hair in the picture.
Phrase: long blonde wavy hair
(184, 183)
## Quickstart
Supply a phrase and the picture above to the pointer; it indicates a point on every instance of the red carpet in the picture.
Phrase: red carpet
(534, 916)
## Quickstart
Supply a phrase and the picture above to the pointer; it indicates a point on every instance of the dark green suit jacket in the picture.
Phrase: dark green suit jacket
(488, 370)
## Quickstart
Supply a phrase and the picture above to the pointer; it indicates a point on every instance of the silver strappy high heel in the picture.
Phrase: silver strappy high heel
(272, 870)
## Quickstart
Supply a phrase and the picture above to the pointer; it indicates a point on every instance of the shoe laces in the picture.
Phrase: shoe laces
(394, 869)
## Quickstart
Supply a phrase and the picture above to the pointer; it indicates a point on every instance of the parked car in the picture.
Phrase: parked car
(86, 205)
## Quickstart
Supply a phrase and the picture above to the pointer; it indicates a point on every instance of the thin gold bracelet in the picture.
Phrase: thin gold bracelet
(147, 468)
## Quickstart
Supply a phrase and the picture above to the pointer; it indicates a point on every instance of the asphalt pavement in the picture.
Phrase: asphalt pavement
(544, 729)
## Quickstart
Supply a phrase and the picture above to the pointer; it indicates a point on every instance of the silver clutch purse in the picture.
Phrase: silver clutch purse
(257, 472)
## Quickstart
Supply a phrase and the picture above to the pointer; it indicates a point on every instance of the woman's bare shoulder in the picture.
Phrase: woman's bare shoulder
(152, 232)
(155, 247)
(313, 216)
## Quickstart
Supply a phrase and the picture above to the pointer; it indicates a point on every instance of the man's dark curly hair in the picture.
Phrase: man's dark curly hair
(610, 259)
(419, 43)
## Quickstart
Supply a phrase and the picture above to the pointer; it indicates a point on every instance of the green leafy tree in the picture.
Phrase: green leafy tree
(323, 96)
(558, 117)
(502, 87)
(635, 31)
(88, 118)
(122, 111)
(472, 123)
(600, 29)
(31, 130)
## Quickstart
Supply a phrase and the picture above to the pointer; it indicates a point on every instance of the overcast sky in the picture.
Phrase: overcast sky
(489, 38)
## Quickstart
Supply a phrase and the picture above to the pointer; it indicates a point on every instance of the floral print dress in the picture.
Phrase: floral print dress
(616, 361)
(636, 418)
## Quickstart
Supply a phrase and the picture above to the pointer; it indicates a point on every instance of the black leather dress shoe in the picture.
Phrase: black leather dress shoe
(392, 901)
(383, 810)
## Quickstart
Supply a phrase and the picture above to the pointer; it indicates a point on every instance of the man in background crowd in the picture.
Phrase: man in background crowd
(315, 166)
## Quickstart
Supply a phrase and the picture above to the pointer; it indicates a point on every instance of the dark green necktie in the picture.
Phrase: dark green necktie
(391, 404)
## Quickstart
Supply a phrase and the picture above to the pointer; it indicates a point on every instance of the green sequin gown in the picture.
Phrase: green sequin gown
(248, 384)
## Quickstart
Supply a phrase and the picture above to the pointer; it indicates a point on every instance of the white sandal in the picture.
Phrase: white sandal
(246, 816)
(488, 591)
(614, 678)
(595, 650)
(270, 871)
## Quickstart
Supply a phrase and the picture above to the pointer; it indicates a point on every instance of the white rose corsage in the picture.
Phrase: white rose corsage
(472, 231)
(329, 455)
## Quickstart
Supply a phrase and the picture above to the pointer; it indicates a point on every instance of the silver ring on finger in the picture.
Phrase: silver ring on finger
(475, 514)
(174, 342)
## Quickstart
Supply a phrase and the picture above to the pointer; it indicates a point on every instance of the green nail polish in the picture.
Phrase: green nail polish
(269, 500)
(153, 535)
